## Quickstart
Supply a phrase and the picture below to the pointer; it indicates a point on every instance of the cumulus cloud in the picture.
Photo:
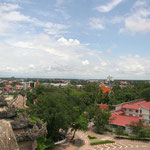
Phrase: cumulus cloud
(69, 42)
(108, 7)
(85, 62)
(44, 56)
(139, 21)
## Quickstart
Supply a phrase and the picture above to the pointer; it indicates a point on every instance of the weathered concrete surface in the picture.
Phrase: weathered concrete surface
(7, 137)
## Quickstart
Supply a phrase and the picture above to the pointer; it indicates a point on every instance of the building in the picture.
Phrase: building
(59, 84)
(126, 113)
(105, 89)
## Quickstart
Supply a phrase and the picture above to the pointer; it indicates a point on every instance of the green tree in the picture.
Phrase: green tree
(80, 123)
(146, 93)
(101, 118)
(144, 132)
(136, 127)
(119, 131)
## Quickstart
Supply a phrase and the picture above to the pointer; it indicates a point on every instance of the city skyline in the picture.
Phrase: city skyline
(75, 39)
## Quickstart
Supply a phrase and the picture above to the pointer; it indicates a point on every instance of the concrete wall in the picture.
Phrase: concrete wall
(128, 130)
(132, 112)
(27, 145)
(7, 137)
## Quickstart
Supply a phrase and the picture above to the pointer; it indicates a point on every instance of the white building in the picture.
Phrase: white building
(133, 111)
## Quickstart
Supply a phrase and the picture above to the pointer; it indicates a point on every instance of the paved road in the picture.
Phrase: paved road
(82, 137)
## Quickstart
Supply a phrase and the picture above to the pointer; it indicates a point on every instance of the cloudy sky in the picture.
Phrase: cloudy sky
(75, 38)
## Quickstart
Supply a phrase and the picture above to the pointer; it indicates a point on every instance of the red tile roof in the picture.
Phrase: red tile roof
(119, 112)
(127, 106)
(121, 120)
(138, 102)
(102, 106)
(147, 105)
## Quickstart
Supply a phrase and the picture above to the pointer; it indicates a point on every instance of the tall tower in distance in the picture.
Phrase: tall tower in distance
(109, 80)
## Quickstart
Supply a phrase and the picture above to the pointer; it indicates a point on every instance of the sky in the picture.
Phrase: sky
(81, 39)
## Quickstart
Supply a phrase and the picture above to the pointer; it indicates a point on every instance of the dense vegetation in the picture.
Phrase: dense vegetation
(72, 108)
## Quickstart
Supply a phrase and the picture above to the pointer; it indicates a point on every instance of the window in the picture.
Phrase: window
(125, 109)
(130, 110)
(140, 111)
(130, 115)
(137, 111)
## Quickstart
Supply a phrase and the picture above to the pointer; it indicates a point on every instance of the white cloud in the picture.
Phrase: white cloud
(108, 7)
(132, 66)
(85, 62)
(15, 16)
(69, 42)
(24, 44)
(138, 21)
(8, 7)
(96, 23)
(139, 3)
(31, 66)
(11, 20)
(44, 56)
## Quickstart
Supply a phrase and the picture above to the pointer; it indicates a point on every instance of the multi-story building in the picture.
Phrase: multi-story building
(133, 111)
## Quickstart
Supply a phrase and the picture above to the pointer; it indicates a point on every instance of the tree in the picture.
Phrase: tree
(80, 123)
(54, 109)
(136, 127)
(146, 93)
(144, 132)
(101, 119)
(119, 131)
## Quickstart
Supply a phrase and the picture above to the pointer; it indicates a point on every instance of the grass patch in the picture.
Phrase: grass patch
(92, 137)
(102, 142)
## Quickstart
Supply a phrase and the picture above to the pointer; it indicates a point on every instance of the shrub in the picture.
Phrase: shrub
(102, 142)
(119, 131)
(92, 137)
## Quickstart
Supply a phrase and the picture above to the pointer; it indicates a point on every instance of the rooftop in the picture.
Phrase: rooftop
(127, 106)
(138, 102)
(121, 120)
(147, 105)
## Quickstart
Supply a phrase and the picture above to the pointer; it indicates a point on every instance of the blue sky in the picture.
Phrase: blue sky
(75, 38)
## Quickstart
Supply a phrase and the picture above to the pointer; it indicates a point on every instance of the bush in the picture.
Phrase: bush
(119, 131)
(41, 143)
(102, 142)
(92, 137)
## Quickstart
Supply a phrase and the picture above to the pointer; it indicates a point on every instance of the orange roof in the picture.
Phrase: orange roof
(139, 102)
(126, 106)
(147, 105)
(119, 112)
(104, 88)
(121, 120)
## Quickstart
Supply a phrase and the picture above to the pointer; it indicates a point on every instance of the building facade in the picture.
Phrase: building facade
(126, 113)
